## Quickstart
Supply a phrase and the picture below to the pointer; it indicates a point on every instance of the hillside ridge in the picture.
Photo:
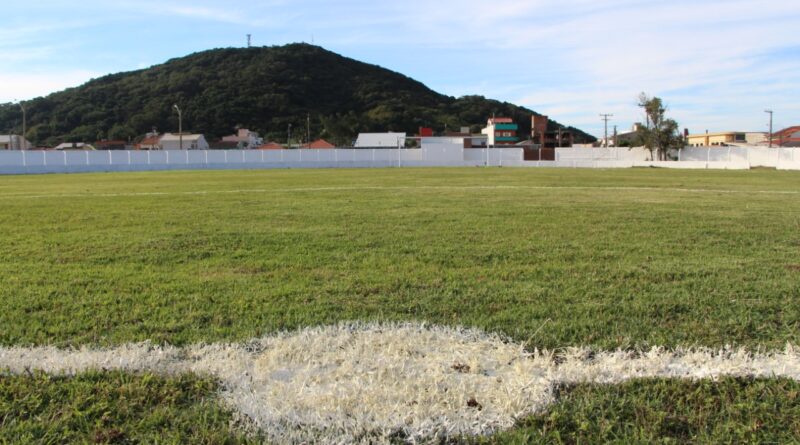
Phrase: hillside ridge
(264, 89)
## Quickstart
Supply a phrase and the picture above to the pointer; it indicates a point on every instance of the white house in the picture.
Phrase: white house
(172, 141)
(381, 140)
(249, 139)
(13, 142)
(500, 131)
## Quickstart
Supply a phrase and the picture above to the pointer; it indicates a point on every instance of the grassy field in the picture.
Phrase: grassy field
(557, 258)
(119, 408)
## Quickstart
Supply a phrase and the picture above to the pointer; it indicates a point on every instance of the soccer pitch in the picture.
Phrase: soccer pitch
(552, 259)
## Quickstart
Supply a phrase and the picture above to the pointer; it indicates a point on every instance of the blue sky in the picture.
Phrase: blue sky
(718, 64)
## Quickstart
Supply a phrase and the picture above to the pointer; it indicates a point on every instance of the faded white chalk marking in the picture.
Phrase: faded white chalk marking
(364, 383)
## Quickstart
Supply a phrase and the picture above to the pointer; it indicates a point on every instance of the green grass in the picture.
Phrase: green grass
(119, 408)
(602, 267)
(668, 411)
(113, 408)
(507, 250)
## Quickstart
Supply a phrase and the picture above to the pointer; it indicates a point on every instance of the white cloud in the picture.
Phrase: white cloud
(256, 15)
(717, 63)
(24, 86)
(709, 59)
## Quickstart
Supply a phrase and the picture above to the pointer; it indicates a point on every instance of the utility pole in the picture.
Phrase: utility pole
(770, 126)
(308, 129)
(248, 40)
(180, 126)
(606, 118)
(289, 137)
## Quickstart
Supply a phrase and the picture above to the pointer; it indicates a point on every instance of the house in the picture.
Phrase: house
(271, 146)
(380, 140)
(321, 143)
(171, 141)
(151, 142)
(544, 138)
(74, 146)
(501, 131)
(244, 138)
(720, 139)
(788, 137)
(14, 142)
(111, 145)
(621, 139)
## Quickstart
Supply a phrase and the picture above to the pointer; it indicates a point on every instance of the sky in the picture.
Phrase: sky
(717, 64)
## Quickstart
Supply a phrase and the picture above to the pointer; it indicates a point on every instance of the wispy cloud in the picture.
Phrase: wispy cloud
(22, 86)
(717, 63)
(264, 13)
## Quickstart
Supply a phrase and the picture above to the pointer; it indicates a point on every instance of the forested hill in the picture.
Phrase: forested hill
(263, 89)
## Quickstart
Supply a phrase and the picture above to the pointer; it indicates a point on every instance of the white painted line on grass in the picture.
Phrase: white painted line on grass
(397, 188)
(359, 383)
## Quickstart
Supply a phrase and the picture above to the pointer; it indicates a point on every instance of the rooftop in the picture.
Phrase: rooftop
(170, 137)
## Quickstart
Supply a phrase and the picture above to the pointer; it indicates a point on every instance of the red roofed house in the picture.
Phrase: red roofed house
(321, 143)
(271, 146)
(788, 137)
(151, 142)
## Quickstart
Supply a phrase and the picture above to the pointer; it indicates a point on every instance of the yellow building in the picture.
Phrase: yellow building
(716, 139)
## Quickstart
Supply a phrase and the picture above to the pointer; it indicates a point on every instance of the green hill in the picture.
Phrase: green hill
(263, 89)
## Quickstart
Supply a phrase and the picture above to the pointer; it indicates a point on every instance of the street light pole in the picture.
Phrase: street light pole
(770, 126)
(180, 126)
(24, 127)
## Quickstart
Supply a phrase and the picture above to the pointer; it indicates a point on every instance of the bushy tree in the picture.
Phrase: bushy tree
(660, 135)
(121, 132)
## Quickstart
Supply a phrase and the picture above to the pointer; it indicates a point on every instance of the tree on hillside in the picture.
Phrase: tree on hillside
(660, 135)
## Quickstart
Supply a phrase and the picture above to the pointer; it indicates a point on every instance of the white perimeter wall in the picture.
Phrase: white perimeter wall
(433, 155)
(690, 157)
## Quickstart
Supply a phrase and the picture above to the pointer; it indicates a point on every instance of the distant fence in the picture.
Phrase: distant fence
(19, 162)
(433, 155)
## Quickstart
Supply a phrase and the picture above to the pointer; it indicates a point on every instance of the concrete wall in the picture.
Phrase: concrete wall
(689, 157)
(602, 154)
(432, 155)
(21, 162)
